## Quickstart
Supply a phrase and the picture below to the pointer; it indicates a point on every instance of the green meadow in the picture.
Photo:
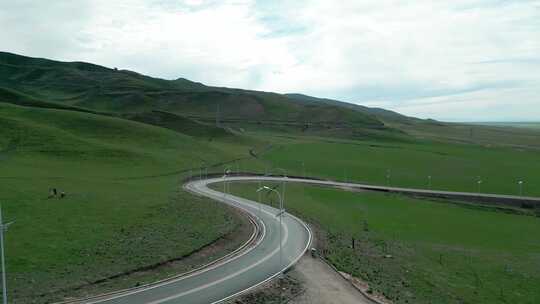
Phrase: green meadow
(420, 251)
(120, 144)
(124, 208)
(452, 166)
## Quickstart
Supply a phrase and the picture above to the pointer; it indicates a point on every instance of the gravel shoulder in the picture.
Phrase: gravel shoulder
(311, 281)
(323, 285)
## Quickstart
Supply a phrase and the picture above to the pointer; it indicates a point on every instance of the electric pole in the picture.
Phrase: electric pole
(3, 228)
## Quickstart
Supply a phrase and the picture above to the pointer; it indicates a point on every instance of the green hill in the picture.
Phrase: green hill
(119, 142)
(180, 124)
(103, 89)
(382, 114)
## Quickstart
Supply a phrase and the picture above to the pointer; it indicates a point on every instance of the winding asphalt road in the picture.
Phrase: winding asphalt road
(252, 267)
(255, 265)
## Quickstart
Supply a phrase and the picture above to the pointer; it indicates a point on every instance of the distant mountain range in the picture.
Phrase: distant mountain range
(89, 87)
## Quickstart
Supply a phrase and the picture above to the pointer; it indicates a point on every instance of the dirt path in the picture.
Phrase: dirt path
(323, 285)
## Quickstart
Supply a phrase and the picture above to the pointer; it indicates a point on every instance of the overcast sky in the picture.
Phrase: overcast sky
(464, 60)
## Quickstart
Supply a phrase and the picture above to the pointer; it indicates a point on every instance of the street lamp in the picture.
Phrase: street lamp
(205, 166)
(479, 182)
(280, 215)
(225, 172)
(260, 200)
(284, 173)
(3, 228)
(520, 188)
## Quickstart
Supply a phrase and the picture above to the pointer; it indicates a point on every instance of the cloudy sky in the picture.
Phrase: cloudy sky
(464, 60)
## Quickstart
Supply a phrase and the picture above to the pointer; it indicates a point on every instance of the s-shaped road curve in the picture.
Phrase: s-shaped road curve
(247, 270)
(256, 264)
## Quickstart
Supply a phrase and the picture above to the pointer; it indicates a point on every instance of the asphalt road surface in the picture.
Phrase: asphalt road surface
(251, 268)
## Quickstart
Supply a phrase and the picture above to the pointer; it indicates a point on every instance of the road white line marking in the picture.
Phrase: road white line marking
(190, 275)
(267, 257)
(201, 187)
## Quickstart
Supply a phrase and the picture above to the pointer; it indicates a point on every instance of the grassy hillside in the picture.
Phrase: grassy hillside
(180, 124)
(123, 211)
(117, 142)
(382, 114)
(103, 89)
(88, 87)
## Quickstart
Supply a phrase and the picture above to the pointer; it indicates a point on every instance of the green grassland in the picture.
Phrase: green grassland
(119, 144)
(124, 208)
(436, 252)
(452, 166)
(485, 135)
(525, 125)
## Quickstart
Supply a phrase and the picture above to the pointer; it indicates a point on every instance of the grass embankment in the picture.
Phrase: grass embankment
(454, 167)
(440, 253)
(123, 211)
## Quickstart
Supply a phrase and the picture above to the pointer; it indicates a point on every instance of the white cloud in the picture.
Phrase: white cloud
(397, 54)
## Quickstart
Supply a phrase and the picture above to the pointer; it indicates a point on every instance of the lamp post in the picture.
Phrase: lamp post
(520, 183)
(284, 173)
(203, 165)
(280, 215)
(225, 172)
(479, 182)
(260, 200)
(3, 228)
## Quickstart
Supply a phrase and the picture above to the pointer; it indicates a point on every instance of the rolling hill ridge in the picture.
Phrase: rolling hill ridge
(92, 87)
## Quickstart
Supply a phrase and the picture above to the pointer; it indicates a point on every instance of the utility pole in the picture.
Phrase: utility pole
(225, 172)
(217, 116)
(3, 228)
